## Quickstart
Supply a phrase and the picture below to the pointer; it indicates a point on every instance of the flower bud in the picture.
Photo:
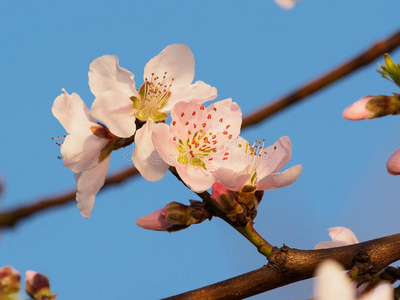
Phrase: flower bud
(154, 221)
(370, 107)
(9, 281)
(180, 214)
(240, 207)
(393, 164)
(175, 216)
(38, 286)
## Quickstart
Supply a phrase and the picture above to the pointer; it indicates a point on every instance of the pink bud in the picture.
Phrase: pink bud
(393, 164)
(217, 190)
(154, 221)
(9, 281)
(358, 110)
(38, 285)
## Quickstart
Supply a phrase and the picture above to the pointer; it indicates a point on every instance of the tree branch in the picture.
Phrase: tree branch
(287, 265)
(334, 75)
(10, 218)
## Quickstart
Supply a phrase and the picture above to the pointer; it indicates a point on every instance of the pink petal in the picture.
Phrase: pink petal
(230, 114)
(278, 180)
(393, 164)
(332, 282)
(286, 4)
(154, 221)
(277, 155)
(106, 75)
(196, 178)
(358, 110)
(145, 157)
(70, 108)
(341, 236)
(177, 60)
(163, 143)
(230, 179)
(115, 110)
(89, 182)
(30, 275)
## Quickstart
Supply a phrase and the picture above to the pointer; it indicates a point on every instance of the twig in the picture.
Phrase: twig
(10, 218)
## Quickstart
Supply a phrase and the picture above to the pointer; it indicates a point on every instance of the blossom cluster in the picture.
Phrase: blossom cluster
(171, 126)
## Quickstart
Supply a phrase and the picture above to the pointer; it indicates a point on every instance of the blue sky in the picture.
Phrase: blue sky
(253, 52)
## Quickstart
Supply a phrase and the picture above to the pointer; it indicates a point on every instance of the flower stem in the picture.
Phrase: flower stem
(255, 238)
(247, 231)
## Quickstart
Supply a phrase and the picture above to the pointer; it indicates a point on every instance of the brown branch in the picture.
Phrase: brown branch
(334, 75)
(10, 218)
(288, 265)
(13, 216)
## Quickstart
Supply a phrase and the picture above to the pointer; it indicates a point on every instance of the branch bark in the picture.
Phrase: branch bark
(287, 265)
(10, 218)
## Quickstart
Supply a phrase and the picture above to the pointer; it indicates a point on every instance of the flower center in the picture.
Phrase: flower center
(153, 95)
(257, 156)
(196, 148)
(199, 144)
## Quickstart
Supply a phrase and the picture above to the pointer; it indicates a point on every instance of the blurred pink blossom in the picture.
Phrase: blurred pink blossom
(341, 236)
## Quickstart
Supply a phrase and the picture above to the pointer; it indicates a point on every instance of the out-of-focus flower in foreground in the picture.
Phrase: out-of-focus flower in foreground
(332, 283)
(197, 141)
(9, 281)
(167, 80)
(38, 286)
(254, 165)
(341, 236)
(86, 150)
(287, 4)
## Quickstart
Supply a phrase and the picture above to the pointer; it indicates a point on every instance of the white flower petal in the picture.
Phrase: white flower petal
(177, 60)
(382, 292)
(115, 110)
(277, 156)
(81, 150)
(329, 244)
(69, 108)
(230, 179)
(163, 143)
(278, 180)
(196, 178)
(198, 92)
(88, 184)
(105, 74)
(342, 235)
(145, 157)
(333, 283)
